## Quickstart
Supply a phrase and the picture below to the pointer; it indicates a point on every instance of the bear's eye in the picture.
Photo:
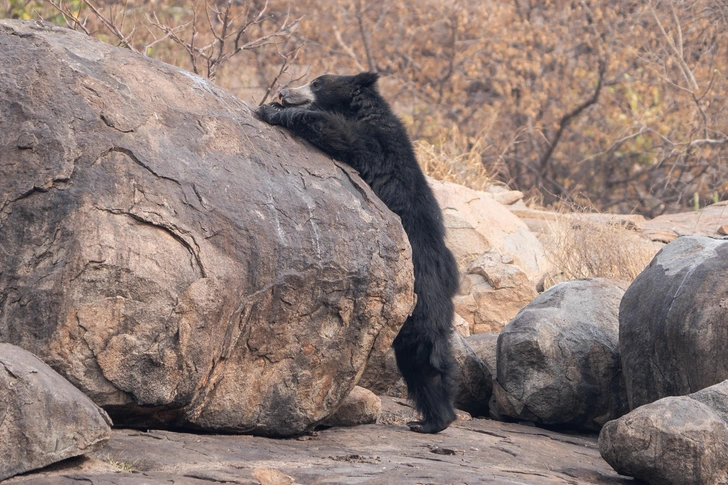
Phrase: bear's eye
(316, 83)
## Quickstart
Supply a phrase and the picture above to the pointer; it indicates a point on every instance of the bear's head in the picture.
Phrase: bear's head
(329, 92)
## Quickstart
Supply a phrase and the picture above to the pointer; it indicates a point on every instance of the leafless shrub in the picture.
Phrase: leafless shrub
(228, 29)
(225, 30)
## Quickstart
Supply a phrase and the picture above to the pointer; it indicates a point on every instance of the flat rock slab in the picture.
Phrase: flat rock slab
(478, 451)
(708, 221)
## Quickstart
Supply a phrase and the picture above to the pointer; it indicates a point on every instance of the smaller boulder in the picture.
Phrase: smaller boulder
(43, 418)
(382, 375)
(475, 380)
(558, 360)
(672, 441)
(361, 406)
(485, 346)
(708, 221)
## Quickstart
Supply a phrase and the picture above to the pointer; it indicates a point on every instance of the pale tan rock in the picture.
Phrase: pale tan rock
(461, 325)
(708, 221)
(271, 476)
(506, 197)
(476, 222)
(492, 291)
(361, 406)
(501, 261)
(539, 220)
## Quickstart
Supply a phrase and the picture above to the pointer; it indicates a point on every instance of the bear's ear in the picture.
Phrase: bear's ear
(365, 79)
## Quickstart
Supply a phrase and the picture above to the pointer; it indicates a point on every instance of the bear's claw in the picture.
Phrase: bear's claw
(267, 111)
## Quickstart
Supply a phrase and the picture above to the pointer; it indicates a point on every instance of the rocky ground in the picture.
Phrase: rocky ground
(471, 451)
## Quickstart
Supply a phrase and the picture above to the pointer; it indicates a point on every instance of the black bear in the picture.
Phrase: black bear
(347, 118)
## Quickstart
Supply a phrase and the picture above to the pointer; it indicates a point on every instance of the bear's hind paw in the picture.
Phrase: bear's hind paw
(428, 426)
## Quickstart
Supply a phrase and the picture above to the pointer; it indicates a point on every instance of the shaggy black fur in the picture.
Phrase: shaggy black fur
(349, 120)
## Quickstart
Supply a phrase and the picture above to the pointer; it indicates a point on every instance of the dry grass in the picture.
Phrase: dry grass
(589, 245)
(125, 466)
(455, 157)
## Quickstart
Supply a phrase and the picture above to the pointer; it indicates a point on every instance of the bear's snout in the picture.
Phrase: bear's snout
(298, 97)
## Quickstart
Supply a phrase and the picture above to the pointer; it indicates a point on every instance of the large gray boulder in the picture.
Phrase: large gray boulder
(177, 260)
(672, 441)
(43, 418)
(558, 360)
(673, 321)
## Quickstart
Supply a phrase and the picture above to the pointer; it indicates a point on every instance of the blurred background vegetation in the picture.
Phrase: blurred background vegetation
(616, 105)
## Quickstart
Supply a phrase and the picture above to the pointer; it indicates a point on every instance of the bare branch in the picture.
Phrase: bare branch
(221, 25)
(676, 49)
(360, 8)
(172, 34)
(568, 118)
(72, 20)
(124, 40)
(287, 60)
(349, 51)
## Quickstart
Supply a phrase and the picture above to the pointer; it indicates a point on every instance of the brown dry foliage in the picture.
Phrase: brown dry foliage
(619, 104)
(583, 245)
(455, 157)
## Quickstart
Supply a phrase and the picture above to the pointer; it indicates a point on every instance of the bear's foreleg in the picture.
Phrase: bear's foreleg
(329, 132)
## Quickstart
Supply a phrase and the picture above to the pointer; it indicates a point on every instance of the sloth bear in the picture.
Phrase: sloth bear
(347, 118)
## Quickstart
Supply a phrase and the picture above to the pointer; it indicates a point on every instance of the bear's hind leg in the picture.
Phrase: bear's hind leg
(428, 369)
(433, 401)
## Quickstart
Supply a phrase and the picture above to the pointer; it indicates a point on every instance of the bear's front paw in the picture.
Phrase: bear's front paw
(268, 111)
